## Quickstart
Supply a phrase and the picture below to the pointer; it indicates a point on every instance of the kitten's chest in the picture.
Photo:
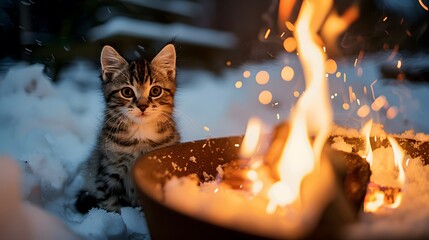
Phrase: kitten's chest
(145, 132)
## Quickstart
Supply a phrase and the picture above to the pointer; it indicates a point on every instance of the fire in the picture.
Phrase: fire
(398, 157)
(387, 197)
(366, 130)
(250, 143)
(299, 156)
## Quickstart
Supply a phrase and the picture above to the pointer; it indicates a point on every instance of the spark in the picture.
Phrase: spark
(236, 145)
(267, 33)
(384, 19)
(399, 64)
(206, 128)
(394, 52)
(392, 112)
(372, 88)
(363, 111)
(228, 63)
(345, 77)
(365, 92)
(238, 84)
(338, 74)
(423, 5)
(379, 103)
(290, 26)
(359, 58)
(358, 101)
(351, 94)
(281, 35)
(278, 116)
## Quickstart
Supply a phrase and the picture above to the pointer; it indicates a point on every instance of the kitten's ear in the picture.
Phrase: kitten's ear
(165, 61)
(111, 62)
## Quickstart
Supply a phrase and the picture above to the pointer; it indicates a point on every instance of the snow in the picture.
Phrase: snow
(49, 130)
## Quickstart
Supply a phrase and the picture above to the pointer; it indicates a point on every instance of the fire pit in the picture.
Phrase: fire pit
(203, 158)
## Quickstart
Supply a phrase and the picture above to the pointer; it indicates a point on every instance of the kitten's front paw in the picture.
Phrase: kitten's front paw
(85, 201)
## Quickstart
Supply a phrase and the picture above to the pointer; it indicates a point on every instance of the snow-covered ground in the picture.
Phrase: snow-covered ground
(49, 129)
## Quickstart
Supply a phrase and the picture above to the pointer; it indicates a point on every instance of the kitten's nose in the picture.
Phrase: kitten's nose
(141, 103)
(142, 107)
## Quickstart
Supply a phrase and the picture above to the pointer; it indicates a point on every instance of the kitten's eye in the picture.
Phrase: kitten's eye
(155, 91)
(127, 92)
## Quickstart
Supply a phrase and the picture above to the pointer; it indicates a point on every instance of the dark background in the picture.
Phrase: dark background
(55, 32)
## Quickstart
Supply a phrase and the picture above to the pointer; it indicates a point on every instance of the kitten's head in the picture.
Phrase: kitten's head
(140, 90)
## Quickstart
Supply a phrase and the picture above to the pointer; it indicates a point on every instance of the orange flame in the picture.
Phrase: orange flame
(250, 143)
(366, 130)
(300, 157)
(399, 158)
(376, 198)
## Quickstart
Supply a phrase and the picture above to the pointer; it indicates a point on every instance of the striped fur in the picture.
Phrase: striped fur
(136, 121)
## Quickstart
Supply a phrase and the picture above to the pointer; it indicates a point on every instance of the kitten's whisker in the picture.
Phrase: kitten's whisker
(185, 117)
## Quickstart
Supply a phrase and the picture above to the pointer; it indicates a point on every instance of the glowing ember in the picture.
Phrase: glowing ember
(262, 77)
(379, 103)
(289, 26)
(331, 66)
(296, 93)
(287, 73)
(290, 44)
(392, 112)
(267, 33)
(246, 74)
(363, 111)
(238, 84)
(265, 97)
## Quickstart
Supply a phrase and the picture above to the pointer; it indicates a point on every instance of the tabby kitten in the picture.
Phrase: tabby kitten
(139, 97)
